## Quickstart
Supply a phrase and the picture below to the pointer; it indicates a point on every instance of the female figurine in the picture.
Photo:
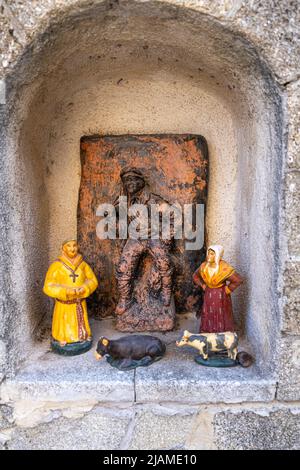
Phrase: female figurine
(218, 280)
(70, 280)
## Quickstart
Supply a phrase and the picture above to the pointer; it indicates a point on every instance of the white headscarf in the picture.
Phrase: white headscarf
(219, 251)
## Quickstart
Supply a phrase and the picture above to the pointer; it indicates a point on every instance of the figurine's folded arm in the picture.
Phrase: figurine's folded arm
(51, 287)
(91, 282)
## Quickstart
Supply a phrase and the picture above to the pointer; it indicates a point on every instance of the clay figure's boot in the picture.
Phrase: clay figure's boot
(166, 291)
(123, 305)
(124, 287)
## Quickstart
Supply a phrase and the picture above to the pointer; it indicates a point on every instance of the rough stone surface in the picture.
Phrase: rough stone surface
(289, 369)
(94, 431)
(9, 46)
(291, 319)
(2, 92)
(292, 212)
(158, 430)
(201, 435)
(291, 308)
(247, 430)
(274, 29)
(293, 102)
(6, 416)
(3, 356)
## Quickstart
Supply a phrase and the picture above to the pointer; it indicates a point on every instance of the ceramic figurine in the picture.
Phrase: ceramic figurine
(131, 351)
(70, 280)
(206, 343)
(217, 340)
(152, 307)
(218, 280)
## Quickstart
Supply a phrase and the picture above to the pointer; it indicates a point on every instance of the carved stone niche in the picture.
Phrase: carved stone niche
(175, 167)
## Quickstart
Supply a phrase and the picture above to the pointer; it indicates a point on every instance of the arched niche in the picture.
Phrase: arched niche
(143, 68)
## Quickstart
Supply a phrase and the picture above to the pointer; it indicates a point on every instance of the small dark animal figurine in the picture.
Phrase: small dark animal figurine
(131, 351)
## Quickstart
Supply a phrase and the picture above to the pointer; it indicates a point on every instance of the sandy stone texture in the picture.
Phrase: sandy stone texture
(291, 309)
(289, 369)
(94, 431)
(9, 46)
(293, 102)
(161, 431)
(263, 430)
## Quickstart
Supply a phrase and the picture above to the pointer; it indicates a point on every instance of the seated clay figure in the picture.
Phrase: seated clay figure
(70, 280)
(150, 307)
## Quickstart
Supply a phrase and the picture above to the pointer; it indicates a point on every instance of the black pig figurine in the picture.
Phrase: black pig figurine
(130, 351)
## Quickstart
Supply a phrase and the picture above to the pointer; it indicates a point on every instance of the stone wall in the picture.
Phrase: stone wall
(160, 427)
(228, 70)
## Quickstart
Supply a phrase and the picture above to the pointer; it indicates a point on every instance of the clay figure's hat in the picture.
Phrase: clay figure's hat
(67, 240)
(133, 171)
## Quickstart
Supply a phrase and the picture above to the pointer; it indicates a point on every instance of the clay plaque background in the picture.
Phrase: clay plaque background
(176, 167)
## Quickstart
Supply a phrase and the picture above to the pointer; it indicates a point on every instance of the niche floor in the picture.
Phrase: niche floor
(176, 378)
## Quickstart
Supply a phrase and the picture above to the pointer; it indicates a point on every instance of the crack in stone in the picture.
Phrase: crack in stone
(276, 390)
(291, 81)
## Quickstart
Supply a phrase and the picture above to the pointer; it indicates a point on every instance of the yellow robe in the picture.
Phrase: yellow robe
(67, 325)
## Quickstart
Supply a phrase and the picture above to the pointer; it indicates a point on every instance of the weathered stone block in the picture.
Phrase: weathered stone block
(6, 416)
(292, 212)
(9, 45)
(291, 307)
(273, 29)
(2, 92)
(163, 428)
(28, 14)
(293, 102)
(292, 275)
(291, 310)
(3, 358)
(95, 431)
(258, 429)
(289, 369)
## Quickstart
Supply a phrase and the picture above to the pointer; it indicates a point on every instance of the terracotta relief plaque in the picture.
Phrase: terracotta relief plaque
(176, 168)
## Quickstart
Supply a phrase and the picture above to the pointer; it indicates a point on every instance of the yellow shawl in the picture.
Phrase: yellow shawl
(219, 277)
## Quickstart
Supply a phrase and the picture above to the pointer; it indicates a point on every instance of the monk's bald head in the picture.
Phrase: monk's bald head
(70, 248)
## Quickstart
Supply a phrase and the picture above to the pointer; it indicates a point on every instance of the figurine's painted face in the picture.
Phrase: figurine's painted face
(71, 249)
(133, 184)
(211, 256)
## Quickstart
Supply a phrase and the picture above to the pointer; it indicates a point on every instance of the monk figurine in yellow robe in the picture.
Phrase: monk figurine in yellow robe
(70, 280)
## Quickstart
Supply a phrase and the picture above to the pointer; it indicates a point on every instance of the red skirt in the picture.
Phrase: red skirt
(216, 315)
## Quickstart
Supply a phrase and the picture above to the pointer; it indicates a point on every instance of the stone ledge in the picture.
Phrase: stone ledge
(176, 378)
(179, 379)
